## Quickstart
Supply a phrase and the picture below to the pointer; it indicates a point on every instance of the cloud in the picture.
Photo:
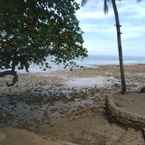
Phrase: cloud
(132, 10)
(96, 28)
(93, 10)
(132, 31)
(129, 31)
(93, 15)
(100, 28)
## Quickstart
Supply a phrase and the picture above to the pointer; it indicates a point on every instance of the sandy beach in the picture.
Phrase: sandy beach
(69, 106)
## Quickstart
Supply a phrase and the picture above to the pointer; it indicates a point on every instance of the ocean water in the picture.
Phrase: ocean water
(94, 60)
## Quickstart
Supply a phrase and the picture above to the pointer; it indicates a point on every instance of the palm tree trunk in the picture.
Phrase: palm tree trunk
(122, 74)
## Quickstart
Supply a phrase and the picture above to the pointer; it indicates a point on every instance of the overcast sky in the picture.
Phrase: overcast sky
(99, 29)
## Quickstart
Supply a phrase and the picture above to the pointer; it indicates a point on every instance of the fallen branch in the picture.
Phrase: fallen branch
(12, 73)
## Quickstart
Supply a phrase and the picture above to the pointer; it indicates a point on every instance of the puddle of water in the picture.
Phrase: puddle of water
(99, 82)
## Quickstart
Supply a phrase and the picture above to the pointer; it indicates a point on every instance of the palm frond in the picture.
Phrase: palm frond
(106, 7)
(83, 2)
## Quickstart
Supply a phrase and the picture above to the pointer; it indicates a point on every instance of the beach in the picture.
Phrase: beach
(70, 105)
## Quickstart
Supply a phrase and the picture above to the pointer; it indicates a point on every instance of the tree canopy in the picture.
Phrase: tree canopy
(33, 30)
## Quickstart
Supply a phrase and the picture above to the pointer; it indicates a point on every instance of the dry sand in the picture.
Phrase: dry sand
(132, 102)
(12, 136)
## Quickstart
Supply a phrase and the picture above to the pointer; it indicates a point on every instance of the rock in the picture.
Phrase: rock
(45, 103)
(142, 90)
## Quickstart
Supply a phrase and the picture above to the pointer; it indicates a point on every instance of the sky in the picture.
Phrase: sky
(99, 28)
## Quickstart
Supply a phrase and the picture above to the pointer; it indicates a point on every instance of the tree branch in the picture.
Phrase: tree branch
(12, 73)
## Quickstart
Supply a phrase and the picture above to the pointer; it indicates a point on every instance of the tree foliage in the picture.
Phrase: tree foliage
(33, 30)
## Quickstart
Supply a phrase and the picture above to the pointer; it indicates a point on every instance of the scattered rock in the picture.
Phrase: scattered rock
(142, 90)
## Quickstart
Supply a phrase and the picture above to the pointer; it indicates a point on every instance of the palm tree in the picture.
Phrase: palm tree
(119, 41)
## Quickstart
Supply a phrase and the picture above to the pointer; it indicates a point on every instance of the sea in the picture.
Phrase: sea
(93, 61)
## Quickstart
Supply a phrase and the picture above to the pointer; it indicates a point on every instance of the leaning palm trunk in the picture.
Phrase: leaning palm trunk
(122, 74)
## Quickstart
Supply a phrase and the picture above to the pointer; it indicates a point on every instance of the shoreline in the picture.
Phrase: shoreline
(94, 66)
(79, 77)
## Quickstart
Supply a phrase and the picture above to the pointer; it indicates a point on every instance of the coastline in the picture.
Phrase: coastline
(103, 77)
